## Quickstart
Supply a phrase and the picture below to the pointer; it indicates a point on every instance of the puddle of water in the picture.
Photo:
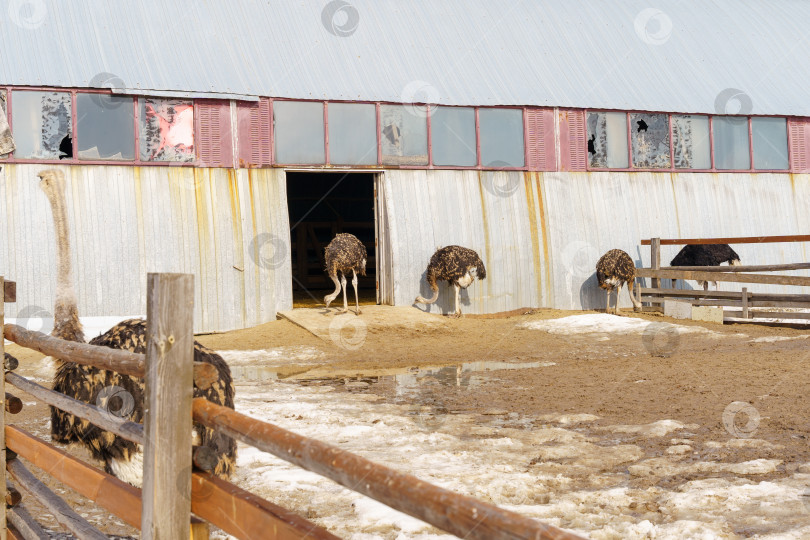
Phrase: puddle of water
(461, 375)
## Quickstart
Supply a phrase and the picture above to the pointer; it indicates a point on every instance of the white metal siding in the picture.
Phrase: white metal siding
(127, 221)
(540, 243)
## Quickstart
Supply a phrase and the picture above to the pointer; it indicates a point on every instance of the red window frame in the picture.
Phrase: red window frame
(672, 167)
(12, 159)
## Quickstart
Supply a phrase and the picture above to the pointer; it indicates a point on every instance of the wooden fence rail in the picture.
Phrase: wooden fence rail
(172, 487)
(126, 362)
(463, 516)
(744, 300)
(735, 240)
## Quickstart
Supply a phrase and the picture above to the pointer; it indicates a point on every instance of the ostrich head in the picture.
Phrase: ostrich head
(53, 182)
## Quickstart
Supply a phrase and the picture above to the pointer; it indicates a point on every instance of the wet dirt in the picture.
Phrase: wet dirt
(611, 389)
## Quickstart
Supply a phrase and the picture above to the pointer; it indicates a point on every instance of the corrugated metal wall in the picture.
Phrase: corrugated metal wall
(493, 213)
(540, 234)
(229, 228)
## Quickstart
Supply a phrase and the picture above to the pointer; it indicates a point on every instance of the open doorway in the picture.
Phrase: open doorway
(321, 205)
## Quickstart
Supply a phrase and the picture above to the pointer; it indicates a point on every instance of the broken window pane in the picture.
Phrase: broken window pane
(770, 143)
(650, 136)
(403, 134)
(42, 125)
(166, 130)
(501, 132)
(299, 132)
(690, 141)
(105, 127)
(607, 140)
(352, 134)
(731, 142)
(453, 136)
(6, 141)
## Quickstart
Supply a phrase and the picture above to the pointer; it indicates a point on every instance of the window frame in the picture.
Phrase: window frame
(73, 92)
(672, 167)
(74, 130)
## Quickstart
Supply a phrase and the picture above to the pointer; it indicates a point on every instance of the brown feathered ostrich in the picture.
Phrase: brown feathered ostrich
(343, 254)
(457, 265)
(119, 394)
(614, 269)
(706, 255)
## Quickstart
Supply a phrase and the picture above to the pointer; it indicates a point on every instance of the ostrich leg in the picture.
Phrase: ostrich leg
(356, 297)
(636, 303)
(343, 286)
(618, 292)
(330, 297)
(458, 293)
(607, 301)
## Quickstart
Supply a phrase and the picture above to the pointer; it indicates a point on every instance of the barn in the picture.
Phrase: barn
(232, 140)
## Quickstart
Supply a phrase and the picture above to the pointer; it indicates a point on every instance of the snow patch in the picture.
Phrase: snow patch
(655, 429)
(593, 323)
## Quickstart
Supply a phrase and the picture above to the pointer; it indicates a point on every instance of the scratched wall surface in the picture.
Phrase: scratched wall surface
(229, 228)
(492, 213)
(540, 234)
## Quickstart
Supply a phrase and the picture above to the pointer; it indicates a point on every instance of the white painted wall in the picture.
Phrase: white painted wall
(127, 221)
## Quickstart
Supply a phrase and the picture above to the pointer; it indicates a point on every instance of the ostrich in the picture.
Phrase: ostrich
(345, 252)
(122, 458)
(706, 255)
(457, 265)
(613, 270)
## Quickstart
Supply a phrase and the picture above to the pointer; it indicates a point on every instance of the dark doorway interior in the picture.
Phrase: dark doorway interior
(321, 205)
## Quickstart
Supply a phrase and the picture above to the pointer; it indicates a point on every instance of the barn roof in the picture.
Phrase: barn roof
(681, 57)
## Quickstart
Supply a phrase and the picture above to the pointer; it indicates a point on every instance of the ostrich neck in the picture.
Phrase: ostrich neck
(65, 294)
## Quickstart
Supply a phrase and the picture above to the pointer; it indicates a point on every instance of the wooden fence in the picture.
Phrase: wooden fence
(750, 305)
(179, 498)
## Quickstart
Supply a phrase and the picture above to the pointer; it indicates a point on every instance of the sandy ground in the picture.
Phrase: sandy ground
(628, 429)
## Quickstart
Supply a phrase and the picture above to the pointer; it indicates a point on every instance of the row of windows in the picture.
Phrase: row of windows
(142, 130)
(663, 141)
(42, 123)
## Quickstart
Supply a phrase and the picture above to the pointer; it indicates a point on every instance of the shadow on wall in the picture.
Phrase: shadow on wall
(446, 304)
(590, 295)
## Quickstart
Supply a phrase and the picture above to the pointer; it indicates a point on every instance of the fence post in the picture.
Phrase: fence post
(745, 302)
(167, 403)
(3, 525)
(655, 260)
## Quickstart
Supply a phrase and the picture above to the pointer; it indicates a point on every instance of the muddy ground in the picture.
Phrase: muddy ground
(719, 388)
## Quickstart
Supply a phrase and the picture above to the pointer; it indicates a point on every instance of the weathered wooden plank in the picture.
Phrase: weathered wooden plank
(724, 276)
(687, 293)
(125, 362)
(245, 515)
(655, 260)
(167, 422)
(767, 297)
(122, 427)
(3, 526)
(752, 314)
(27, 527)
(742, 268)
(60, 510)
(9, 291)
(121, 361)
(110, 493)
(734, 240)
(458, 514)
